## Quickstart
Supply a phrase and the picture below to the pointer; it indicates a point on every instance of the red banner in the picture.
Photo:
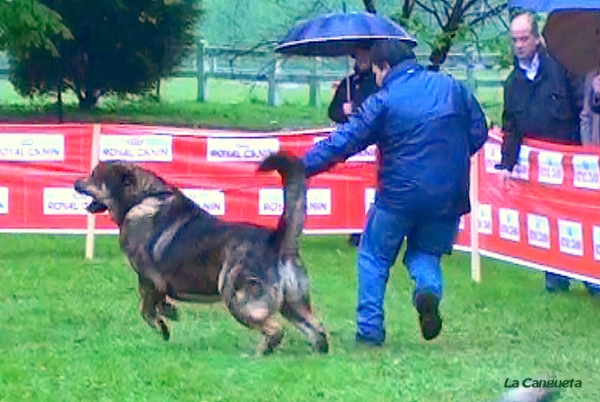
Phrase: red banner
(548, 213)
(38, 165)
(218, 171)
(547, 216)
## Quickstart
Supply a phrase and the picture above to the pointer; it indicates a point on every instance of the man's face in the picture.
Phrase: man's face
(524, 43)
(363, 60)
(380, 73)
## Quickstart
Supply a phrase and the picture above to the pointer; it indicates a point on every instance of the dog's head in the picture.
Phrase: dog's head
(116, 186)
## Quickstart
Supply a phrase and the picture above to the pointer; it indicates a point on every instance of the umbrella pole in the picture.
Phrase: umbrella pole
(348, 98)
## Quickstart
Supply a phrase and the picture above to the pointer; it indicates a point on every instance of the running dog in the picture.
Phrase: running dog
(181, 252)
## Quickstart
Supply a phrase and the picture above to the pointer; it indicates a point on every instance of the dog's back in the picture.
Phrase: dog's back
(193, 249)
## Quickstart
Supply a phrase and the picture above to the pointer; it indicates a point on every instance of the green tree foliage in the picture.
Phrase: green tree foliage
(457, 21)
(27, 23)
(118, 46)
(246, 23)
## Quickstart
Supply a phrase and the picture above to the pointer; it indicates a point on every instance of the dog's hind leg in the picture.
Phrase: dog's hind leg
(150, 298)
(255, 316)
(252, 305)
(299, 313)
(296, 303)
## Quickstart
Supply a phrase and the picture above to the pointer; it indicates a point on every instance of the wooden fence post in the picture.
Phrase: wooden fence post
(474, 195)
(315, 85)
(274, 95)
(202, 93)
(91, 218)
(471, 79)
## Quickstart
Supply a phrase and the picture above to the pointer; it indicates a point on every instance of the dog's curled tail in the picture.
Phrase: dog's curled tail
(293, 176)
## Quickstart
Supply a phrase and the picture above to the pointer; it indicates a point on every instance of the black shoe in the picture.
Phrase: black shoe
(557, 288)
(429, 315)
(354, 239)
(557, 283)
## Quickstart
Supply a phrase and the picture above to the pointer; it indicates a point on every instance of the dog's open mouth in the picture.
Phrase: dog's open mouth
(94, 207)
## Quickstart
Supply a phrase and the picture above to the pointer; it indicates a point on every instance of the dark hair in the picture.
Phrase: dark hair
(391, 51)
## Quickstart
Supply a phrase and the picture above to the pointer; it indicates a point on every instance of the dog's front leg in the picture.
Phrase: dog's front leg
(166, 308)
(150, 298)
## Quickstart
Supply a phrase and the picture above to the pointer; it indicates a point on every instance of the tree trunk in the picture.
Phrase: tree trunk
(407, 8)
(440, 53)
(59, 102)
(87, 101)
(370, 6)
(449, 30)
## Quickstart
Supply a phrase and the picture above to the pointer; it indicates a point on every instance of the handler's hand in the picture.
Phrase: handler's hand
(505, 176)
(348, 108)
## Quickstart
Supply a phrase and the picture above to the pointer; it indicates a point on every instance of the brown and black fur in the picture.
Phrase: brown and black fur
(181, 252)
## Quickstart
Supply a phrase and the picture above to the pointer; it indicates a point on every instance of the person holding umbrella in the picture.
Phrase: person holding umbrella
(354, 89)
(350, 94)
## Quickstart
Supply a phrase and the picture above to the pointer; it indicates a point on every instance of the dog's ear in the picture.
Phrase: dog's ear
(123, 174)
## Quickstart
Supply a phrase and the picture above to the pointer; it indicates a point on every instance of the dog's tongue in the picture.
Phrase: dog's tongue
(96, 207)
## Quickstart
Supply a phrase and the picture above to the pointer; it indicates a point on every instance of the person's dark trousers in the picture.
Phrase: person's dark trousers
(379, 247)
(560, 283)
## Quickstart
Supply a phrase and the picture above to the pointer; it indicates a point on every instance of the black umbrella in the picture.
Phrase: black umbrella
(340, 34)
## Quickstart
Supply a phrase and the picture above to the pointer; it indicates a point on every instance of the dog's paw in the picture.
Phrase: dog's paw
(269, 345)
(265, 349)
(164, 330)
(321, 345)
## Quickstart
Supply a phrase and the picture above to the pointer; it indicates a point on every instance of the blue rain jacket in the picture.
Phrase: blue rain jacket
(426, 126)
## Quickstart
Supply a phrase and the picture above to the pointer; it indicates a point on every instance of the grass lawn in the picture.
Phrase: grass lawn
(71, 332)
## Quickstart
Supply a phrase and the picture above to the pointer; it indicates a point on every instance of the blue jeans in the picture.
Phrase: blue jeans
(427, 241)
(558, 282)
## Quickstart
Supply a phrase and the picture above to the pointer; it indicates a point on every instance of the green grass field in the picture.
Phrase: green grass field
(70, 331)
(232, 104)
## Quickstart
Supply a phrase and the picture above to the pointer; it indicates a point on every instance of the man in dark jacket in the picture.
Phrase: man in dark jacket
(541, 101)
(426, 126)
(362, 84)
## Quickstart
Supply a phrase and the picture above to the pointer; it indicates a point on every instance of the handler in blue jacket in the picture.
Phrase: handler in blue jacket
(426, 126)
